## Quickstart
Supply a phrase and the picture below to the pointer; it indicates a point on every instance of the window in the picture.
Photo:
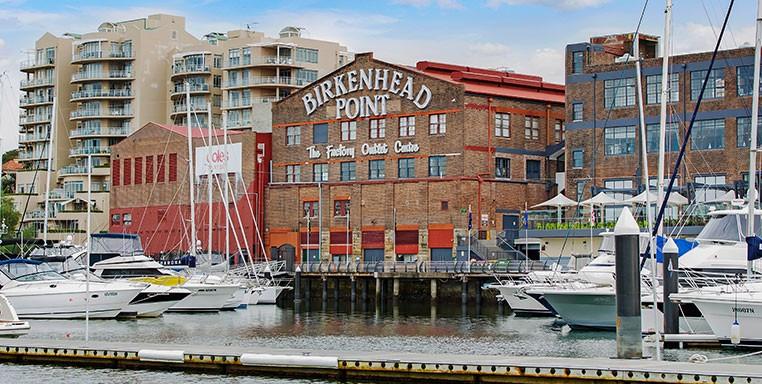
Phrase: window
(138, 170)
(578, 158)
(348, 171)
(127, 219)
(502, 125)
(619, 92)
(653, 88)
(293, 135)
(502, 168)
(348, 130)
(376, 169)
(437, 124)
(559, 131)
(320, 133)
(407, 126)
(743, 132)
(217, 81)
(406, 168)
(577, 112)
(127, 171)
(715, 88)
(149, 169)
(580, 190)
(377, 128)
(116, 176)
(619, 189)
(320, 172)
(310, 209)
(437, 166)
(708, 134)
(218, 61)
(672, 142)
(293, 173)
(531, 128)
(704, 187)
(744, 79)
(307, 55)
(160, 168)
(341, 208)
(306, 76)
(444, 205)
(234, 57)
(619, 140)
(578, 60)
(533, 169)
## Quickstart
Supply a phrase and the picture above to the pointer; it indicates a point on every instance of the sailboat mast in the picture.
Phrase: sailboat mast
(191, 180)
(752, 196)
(665, 95)
(225, 194)
(209, 180)
(51, 134)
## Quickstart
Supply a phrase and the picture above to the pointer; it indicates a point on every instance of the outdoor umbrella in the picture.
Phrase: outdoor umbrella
(559, 201)
(675, 199)
(600, 200)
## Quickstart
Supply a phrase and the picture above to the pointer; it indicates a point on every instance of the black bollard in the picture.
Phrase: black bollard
(628, 323)
(298, 284)
(669, 273)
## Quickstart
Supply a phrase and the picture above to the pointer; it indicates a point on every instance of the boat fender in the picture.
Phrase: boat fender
(735, 333)
(302, 361)
(161, 356)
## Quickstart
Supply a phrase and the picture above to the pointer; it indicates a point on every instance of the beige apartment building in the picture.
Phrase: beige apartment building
(94, 89)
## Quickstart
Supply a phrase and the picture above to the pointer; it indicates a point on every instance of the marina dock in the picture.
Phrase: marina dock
(374, 366)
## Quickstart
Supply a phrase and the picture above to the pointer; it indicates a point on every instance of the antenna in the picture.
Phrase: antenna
(250, 25)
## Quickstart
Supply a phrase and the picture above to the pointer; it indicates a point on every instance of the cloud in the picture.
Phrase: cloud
(695, 37)
(489, 49)
(560, 4)
(445, 4)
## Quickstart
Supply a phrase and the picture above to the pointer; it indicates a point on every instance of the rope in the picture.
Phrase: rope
(701, 359)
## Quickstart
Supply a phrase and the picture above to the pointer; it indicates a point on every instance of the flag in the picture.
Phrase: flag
(592, 216)
(470, 218)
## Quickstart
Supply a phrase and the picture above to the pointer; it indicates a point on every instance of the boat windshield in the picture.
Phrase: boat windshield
(30, 272)
(607, 244)
(721, 228)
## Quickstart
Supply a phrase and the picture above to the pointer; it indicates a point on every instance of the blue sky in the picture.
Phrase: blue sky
(523, 35)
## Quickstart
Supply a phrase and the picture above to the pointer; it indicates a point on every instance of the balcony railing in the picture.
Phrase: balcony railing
(180, 88)
(179, 108)
(239, 124)
(44, 81)
(190, 69)
(101, 75)
(34, 119)
(27, 137)
(100, 186)
(237, 103)
(37, 214)
(89, 55)
(261, 60)
(266, 80)
(111, 112)
(37, 63)
(38, 155)
(73, 170)
(98, 131)
(27, 100)
(87, 94)
(90, 151)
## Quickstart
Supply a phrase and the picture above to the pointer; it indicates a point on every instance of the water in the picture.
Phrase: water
(408, 327)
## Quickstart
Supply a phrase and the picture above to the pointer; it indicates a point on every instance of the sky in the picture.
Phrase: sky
(527, 36)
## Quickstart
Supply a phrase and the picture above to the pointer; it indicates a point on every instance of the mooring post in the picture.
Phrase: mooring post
(325, 288)
(396, 288)
(464, 291)
(669, 273)
(307, 289)
(365, 283)
(433, 290)
(353, 289)
(336, 283)
(298, 284)
(627, 249)
(378, 287)
(478, 293)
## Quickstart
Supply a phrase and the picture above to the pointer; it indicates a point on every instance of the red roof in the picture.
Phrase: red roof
(12, 166)
(196, 132)
(496, 83)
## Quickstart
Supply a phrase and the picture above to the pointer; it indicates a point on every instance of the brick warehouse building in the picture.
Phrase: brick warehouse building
(601, 98)
(150, 196)
(379, 161)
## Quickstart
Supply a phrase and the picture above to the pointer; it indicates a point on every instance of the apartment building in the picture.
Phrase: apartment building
(603, 139)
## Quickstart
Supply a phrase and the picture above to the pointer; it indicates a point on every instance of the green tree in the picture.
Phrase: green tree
(9, 215)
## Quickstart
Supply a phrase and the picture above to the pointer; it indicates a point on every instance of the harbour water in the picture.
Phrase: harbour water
(408, 327)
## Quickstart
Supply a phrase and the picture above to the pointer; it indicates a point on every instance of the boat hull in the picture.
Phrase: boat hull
(204, 297)
(155, 300)
(588, 310)
(270, 294)
(720, 314)
(519, 301)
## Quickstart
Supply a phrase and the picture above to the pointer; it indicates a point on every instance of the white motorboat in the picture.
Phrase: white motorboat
(513, 292)
(36, 291)
(10, 325)
(205, 295)
(270, 293)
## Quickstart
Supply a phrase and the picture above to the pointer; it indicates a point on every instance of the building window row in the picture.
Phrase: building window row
(619, 92)
(376, 129)
(653, 88)
(376, 170)
(137, 171)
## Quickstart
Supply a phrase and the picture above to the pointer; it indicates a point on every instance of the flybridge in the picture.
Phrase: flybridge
(385, 81)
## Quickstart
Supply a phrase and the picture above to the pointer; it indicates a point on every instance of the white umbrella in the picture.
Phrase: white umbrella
(727, 197)
(601, 199)
(675, 199)
(559, 201)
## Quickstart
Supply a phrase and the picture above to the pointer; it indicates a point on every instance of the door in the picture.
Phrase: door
(511, 227)
(441, 254)
(286, 253)
(372, 255)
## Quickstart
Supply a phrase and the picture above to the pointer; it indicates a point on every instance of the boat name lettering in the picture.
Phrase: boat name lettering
(742, 310)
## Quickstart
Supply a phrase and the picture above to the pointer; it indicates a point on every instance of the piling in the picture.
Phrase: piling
(365, 283)
(298, 284)
(478, 293)
(353, 289)
(670, 274)
(433, 290)
(325, 289)
(378, 289)
(336, 283)
(464, 291)
(396, 289)
(628, 323)
(308, 289)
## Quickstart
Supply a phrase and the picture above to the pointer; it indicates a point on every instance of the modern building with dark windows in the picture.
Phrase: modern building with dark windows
(377, 161)
(603, 137)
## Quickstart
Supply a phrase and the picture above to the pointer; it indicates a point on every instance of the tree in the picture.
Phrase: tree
(10, 155)
(9, 216)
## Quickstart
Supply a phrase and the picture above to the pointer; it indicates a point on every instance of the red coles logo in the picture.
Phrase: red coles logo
(216, 157)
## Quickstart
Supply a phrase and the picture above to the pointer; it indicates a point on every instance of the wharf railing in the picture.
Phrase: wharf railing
(425, 267)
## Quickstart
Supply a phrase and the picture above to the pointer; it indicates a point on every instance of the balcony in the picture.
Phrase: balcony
(193, 69)
(75, 169)
(262, 61)
(34, 83)
(36, 215)
(239, 124)
(183, 108)
(34, 119)
(266, 81)
(32, 137)
(29, 65)
(102, 94)
(111, 75)
(84, 151)
(179, 89)
(100, 132)
(237, 103)
(101, 55)
(110, 113)
(28, 101)
(37, 155)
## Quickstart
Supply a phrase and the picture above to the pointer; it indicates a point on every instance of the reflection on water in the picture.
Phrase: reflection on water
(408, 327)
